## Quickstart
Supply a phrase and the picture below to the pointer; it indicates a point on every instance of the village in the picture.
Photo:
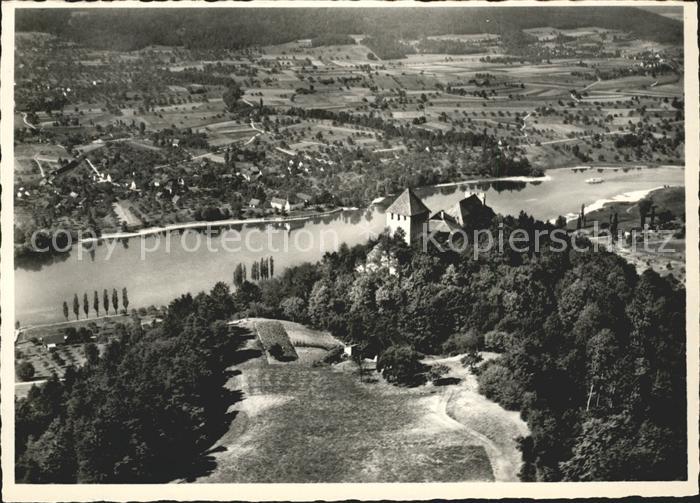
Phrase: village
(260, 133)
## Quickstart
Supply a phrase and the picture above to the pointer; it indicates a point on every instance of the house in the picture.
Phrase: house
(52, 341)
(250, 174)
(149, 321)
(278, 203)
(409, 214)
(254, 203)
(305, 198)
(286, 204)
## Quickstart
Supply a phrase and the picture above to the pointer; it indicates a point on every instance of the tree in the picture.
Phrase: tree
(239, 275)
(115, 300)
(231, 96)
(255, 272)
(401, 365)
(25, 371)
(52, 455)
(496, 340)
(92, 354)
(644, 206)
(125, 299)
(96, 303)
(246, 294)
(614, 226)
(86, 305)
(457, 343)
(65, 309)
(272, 267)
(76, 306)
(105, 301)
(320, 304)
(294, 308)
(222, 305)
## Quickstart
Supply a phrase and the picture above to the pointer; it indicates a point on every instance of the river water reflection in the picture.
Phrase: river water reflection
(157, 276)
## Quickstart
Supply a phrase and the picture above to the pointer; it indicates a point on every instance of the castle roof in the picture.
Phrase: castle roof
(443, 222)
(408, 204)
(466, 208)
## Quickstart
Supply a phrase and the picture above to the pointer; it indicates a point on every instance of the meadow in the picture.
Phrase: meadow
(304, 422)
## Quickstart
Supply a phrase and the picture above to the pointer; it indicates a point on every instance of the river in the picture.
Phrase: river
(154, 272)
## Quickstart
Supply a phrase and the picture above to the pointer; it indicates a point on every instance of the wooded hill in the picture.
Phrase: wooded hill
(130, 29)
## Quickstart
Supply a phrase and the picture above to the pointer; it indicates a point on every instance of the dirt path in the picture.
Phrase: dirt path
(491, 426)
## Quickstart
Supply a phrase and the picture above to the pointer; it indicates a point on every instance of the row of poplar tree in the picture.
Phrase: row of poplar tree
(96, 303)
(259, 270)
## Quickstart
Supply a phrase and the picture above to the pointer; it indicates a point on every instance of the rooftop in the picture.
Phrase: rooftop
(408, 204)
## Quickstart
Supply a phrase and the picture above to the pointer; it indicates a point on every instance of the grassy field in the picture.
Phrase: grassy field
(303, 423)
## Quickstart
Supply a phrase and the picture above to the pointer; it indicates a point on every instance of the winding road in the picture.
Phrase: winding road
(24, 118)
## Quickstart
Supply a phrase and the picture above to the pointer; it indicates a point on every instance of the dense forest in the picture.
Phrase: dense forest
(591, 354)
(129, 29)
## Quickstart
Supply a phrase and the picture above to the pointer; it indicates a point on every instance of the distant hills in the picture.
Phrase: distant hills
(129, 29)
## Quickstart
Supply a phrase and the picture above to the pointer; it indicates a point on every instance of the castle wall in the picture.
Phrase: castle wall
(411, 226)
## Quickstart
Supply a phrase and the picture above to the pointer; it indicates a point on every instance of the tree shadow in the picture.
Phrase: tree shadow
(244, 355)
(219, 426)
(447, 381)
(222, 422)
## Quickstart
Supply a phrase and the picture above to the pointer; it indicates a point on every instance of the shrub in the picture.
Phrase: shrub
(463, 342)
(259, 310)
(25, 371)
(496, 340)
(437, 371)
(471, 360)
(335, 355)
(497, 383)
(401, 365)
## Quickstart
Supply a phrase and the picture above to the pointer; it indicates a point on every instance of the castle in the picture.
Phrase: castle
(409, 214)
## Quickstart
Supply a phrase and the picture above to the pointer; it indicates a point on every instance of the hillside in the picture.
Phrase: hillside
(237, 28)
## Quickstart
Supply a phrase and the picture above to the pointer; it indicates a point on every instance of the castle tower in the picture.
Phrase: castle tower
(408, 213)
(480, 195)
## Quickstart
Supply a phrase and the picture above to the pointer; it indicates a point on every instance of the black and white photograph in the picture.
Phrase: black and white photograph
(451, 245)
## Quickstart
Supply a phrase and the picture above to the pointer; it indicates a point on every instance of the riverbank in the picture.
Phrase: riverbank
(631, 197)
(216, 223)
(524, 179)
